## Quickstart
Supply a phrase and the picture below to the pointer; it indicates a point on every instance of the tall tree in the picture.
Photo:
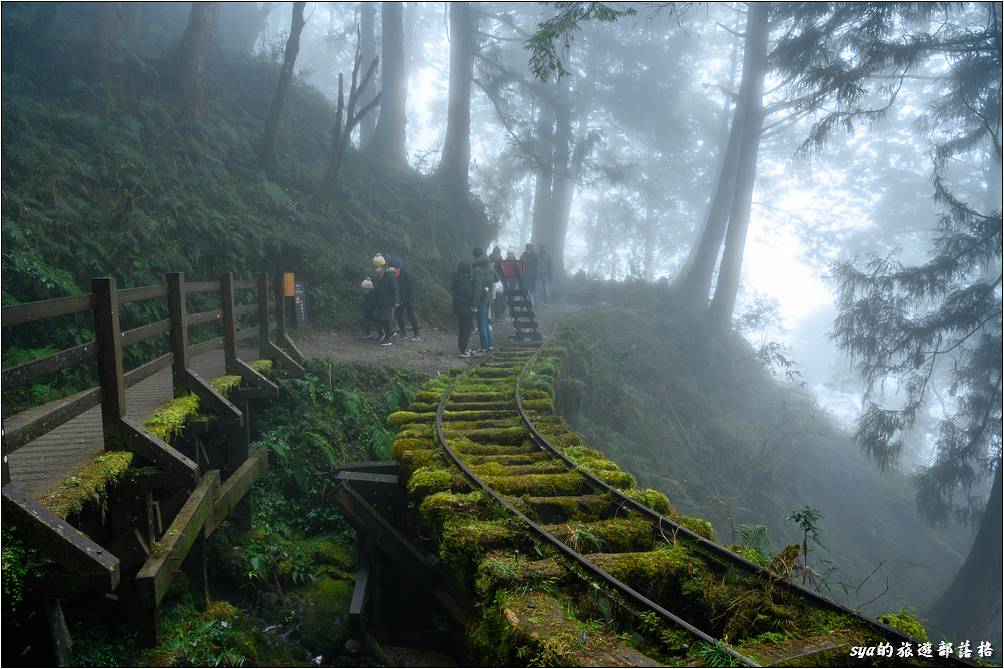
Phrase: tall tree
(189, 55)
(240, 24)
(109, 22)
(347, 117)
(388, 143)
(269, 155)
(749, 123)
(367, 47)
(454, 166)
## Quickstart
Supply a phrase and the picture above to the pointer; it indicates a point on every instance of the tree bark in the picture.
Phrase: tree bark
(279, 99)
(454, 166)
(109, 25)
(973, 600)
(543, 174)
(649, 238)
(367, 45)
(191, 96)
(389, 137)
(750, 107)
(693, 285)
(563, 185)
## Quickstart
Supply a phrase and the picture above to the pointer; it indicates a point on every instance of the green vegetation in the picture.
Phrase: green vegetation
(19, 567)
(905, 621)
(87, 485)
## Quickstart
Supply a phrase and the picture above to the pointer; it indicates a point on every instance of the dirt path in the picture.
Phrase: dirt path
(437, 352)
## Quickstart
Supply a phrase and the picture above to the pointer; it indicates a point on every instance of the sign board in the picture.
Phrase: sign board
(287, 285)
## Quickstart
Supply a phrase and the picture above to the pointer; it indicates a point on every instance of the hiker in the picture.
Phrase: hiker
(368, 296)
(463, 306)
(483, 277)
(386, 299)
(530, 266)
(406, 288)
(544, 272)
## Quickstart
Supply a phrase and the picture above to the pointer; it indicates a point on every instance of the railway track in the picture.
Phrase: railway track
(571, 564)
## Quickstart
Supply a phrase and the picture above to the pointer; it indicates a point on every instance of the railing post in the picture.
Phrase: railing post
(263, 351)
(280, 307)
(108, 336)
(179, 331)
(229, 322)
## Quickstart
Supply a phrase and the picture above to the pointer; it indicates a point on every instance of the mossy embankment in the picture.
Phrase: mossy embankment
(735, 445)
(531, 605)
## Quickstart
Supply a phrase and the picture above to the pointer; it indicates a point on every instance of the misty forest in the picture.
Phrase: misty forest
(502, 334)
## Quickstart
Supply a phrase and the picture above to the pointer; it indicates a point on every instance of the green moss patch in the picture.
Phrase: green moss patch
(225, 384)
(168, 421)
(88, 484)
(906, 623)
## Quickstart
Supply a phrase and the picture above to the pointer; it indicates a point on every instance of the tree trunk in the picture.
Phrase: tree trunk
(973, 600)
(191, 96)
(543, 175)
(750, 107)
(525, 224)
(109, 24)
(389, 137)
(279, 99)
(563, 187)
(367, 45)
(454, 166)
(649, 232)
(692, 287)
(240, 23)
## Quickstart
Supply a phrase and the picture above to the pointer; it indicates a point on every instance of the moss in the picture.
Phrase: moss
(698, 526)
(558, 509)
(327, 552)
(324, 624)
(87, 484)
(567, 483)
(427, 481)
(906, 623)
(168, 421)
(263, 367)
(225, 384)
(653, 499)
(468, 537)
(613, 535)
(443, 506)
(512, 569)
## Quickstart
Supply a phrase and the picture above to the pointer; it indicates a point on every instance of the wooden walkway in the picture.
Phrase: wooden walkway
(58, 453)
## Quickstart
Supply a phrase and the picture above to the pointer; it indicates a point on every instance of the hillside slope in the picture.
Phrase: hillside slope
(735, 446)
(101, 178)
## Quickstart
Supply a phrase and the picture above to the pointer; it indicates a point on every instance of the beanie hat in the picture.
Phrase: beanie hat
(366, 284)
(378, 261)
(395, 261)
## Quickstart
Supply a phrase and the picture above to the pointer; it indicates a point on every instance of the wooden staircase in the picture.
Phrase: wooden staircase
(524, 319)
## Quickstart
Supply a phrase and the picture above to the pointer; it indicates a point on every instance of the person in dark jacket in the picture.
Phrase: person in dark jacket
(530, 270)
(463, 306)
(406, 287)
(498, 304)
(483, 277)
(386, 299)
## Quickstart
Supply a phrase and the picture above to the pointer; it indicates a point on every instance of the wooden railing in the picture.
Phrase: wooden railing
(210, 501)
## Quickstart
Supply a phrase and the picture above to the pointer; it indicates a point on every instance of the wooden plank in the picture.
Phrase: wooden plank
(263, 343)
(251, 375)
(245, 285)
(144, 371)
(142, 293)
(194, 287)
(245, 309)
(15, 314)
(229, 322)
(248, 333)
(59, 632)
(285, 361)
(213, 400)
(108, 335)
(58, 540)
(145, 332)
(205, 347)
(144, 443)
(205, 317)
(290, 347)
(29, 371)
(179, 331)
(30, 425)
(168, 553)
(236, 487)
(280, 306)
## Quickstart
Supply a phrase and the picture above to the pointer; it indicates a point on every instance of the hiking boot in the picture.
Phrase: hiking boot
(387, 342)
(416, 338)
(367, 336)
(465, 354)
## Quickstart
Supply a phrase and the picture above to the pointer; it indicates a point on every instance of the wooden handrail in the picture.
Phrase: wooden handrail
(32, 424)
(29, 371)
(205, 317)
(245, 285)
(193, 287)
(15, 314)
(142, 293)
(145, 332)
